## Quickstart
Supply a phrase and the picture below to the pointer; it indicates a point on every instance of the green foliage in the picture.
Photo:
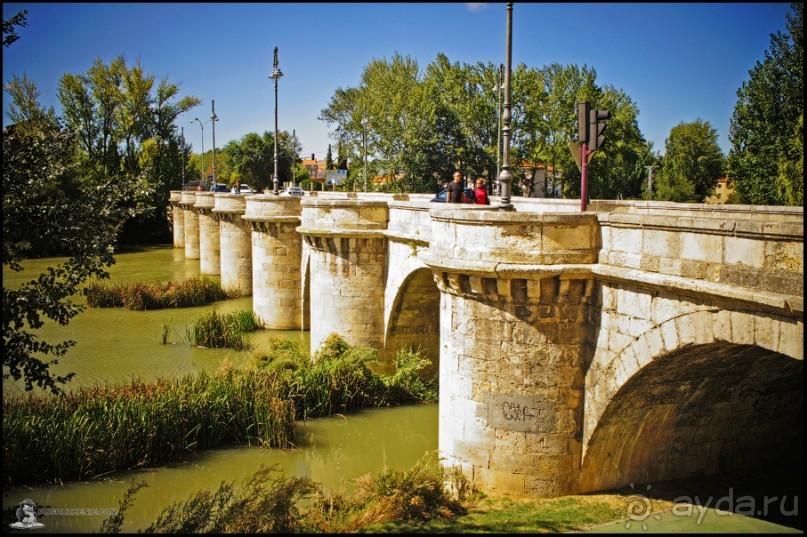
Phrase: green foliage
(692, 163)
(214, 330)
(268, 502)
(110, 428)
(766, 161)
(339, 377)
(148, 296)
(9, 30)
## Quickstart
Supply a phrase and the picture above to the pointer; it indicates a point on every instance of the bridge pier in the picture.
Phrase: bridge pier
(177, 218)
(516, 306)
(209, 236)
(348, 268)
(236, 243)
(276, 258)
(191, 225)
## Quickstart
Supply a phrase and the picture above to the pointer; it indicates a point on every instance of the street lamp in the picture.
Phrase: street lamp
(276, 74)
(182, 154)
(504, 176)
(498, 90)
(649, 191)
(213, 119)
(364, 132)
(203, 144)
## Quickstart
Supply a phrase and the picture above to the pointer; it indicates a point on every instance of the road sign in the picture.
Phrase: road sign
(575, 148)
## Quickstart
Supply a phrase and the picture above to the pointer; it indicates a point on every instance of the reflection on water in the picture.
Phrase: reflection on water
(115, 345)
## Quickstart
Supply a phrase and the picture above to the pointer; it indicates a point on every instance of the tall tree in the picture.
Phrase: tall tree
(766, 130)
(692, 163)
(49, 208)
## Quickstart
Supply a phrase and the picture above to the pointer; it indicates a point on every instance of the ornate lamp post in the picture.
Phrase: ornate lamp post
(276, 74)
(498, 90)
(213, 119)
(364, 132)
(203, 144)
(182, 154)
(504, 176)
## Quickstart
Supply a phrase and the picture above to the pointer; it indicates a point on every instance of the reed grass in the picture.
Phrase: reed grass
(268, 502)
(219, 331)
(98, 430)
(148, 296)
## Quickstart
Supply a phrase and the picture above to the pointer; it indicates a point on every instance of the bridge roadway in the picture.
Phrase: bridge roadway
(577, 351)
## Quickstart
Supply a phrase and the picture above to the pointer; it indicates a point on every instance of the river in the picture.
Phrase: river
(116, 345)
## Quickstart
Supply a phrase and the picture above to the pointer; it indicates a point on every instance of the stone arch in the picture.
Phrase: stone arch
(705, 392)
(708, 409)
(605, 378)
(414, 319)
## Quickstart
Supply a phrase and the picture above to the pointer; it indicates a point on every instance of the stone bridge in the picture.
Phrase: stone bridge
(577, 351)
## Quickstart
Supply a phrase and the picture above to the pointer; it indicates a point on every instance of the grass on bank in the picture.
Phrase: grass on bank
(150, 296)
(95, 431)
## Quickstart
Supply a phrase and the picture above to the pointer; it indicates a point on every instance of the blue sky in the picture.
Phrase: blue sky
(677, 61)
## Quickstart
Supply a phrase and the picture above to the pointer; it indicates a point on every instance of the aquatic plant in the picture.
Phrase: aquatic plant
(219, 331)
(102, 429)
(157, 295)
(339, 377)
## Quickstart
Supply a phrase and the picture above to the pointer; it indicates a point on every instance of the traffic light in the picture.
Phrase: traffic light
(581, 123)
(596, 128)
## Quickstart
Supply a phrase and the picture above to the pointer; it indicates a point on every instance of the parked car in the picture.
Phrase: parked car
(219, 187)
(293, 191)
(467, 196)
(244, 189)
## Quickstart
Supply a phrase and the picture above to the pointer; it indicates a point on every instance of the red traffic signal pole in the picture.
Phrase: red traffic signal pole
(584, 152)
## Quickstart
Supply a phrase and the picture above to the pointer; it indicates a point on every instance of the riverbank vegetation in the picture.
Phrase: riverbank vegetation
(99, 430)
(428, 498)
(155, 295)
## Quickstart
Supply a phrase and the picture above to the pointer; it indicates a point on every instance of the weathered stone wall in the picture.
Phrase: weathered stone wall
(515, 309)
(347, 260)
(209, 236)
(191, 225)
(177, 218)
(276, 260)
(236, 243)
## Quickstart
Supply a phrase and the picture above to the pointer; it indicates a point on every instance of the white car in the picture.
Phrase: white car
(244, 189)
(293, 191)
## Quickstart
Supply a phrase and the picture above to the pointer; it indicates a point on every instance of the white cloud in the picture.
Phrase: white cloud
(476, 6)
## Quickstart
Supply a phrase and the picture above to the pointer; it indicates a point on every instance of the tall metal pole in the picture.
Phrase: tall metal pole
(203, 148)
(584, 175)
(276, 74)
(504, 176)
(182, 154)
(364, 124)
(499, 88)
(213, 118)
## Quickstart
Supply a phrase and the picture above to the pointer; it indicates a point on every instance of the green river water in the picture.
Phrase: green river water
(116, 345)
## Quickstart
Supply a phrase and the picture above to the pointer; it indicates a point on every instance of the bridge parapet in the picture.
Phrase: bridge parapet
(762, 256)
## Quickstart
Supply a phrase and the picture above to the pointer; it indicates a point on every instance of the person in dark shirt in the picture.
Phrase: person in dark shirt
(454, 194)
